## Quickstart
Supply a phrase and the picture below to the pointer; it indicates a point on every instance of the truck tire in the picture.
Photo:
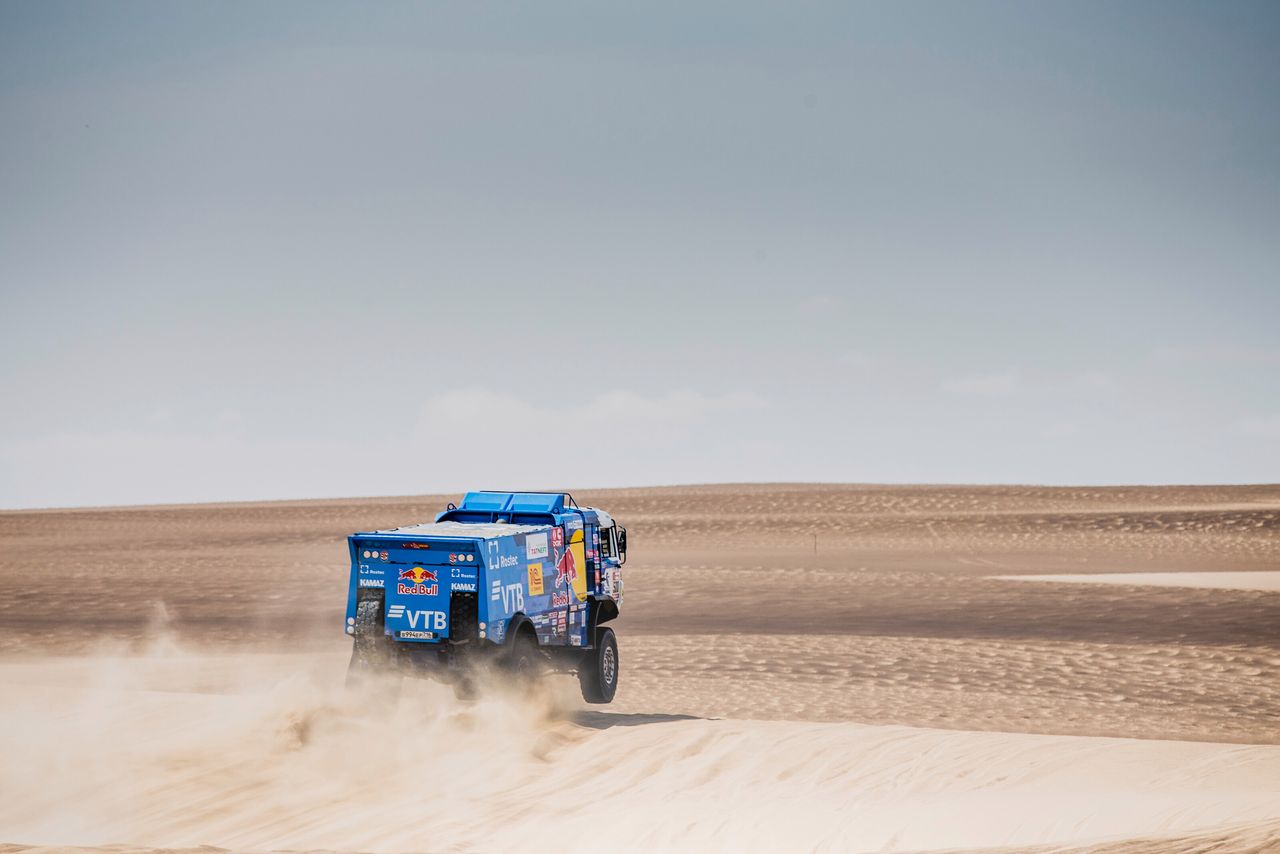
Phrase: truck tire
(372, 651)
(525, 661)
(598, 672)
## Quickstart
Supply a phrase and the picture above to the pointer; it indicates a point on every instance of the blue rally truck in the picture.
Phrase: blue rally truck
(523, 580)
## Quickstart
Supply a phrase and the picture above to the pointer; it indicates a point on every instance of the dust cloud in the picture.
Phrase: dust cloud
(260, 752)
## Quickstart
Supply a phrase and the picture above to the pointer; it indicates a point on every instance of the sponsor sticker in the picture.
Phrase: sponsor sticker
(415, 590)
(372, 582)
(512, 597)
(535, 579)
(419, 576)
(427, 619)
(465, 588)
(416, 545)
(535, 546)
(383, 556)
(566, 569)
(577, 577)
(557, 537)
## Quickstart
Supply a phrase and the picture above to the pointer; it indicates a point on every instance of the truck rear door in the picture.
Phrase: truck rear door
(419, 578)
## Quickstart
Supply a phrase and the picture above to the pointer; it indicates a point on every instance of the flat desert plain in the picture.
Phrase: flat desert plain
(804, 667)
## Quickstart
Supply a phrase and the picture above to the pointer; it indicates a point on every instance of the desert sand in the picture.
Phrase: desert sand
(1256, 580)
(804, 667)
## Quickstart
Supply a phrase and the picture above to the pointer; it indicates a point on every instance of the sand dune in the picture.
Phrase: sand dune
(268, 752)
(805, 668)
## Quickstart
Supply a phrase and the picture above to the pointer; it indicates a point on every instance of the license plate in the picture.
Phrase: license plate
(418, 635)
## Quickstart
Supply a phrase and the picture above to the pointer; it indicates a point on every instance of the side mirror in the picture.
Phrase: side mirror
(622, 544)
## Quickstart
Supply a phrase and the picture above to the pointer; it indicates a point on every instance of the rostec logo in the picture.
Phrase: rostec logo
(429, 619)
(498, 560)
(419, 575)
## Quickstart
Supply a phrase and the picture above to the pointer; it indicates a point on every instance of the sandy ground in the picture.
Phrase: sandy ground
(805, 668)
(1256, 580)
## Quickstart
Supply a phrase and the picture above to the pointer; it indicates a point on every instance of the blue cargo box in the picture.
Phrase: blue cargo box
(426, 570)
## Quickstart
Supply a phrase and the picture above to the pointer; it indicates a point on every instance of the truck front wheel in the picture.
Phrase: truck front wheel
(598, 672)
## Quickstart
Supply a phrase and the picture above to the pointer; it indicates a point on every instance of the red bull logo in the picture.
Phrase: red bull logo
(419, 575)
(571, 566)
(566, 569)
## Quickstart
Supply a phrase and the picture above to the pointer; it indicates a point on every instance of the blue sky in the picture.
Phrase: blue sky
(302, 250)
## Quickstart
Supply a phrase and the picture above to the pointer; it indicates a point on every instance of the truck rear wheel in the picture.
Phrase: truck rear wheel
(598, 672)
(525, 660)
(372, 651)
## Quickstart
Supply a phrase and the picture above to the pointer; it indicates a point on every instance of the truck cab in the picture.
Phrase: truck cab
(526, 579)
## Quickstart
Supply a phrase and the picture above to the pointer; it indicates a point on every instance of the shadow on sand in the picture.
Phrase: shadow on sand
(606, 720)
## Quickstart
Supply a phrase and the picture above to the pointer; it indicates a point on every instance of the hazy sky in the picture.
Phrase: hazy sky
(304, 249)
